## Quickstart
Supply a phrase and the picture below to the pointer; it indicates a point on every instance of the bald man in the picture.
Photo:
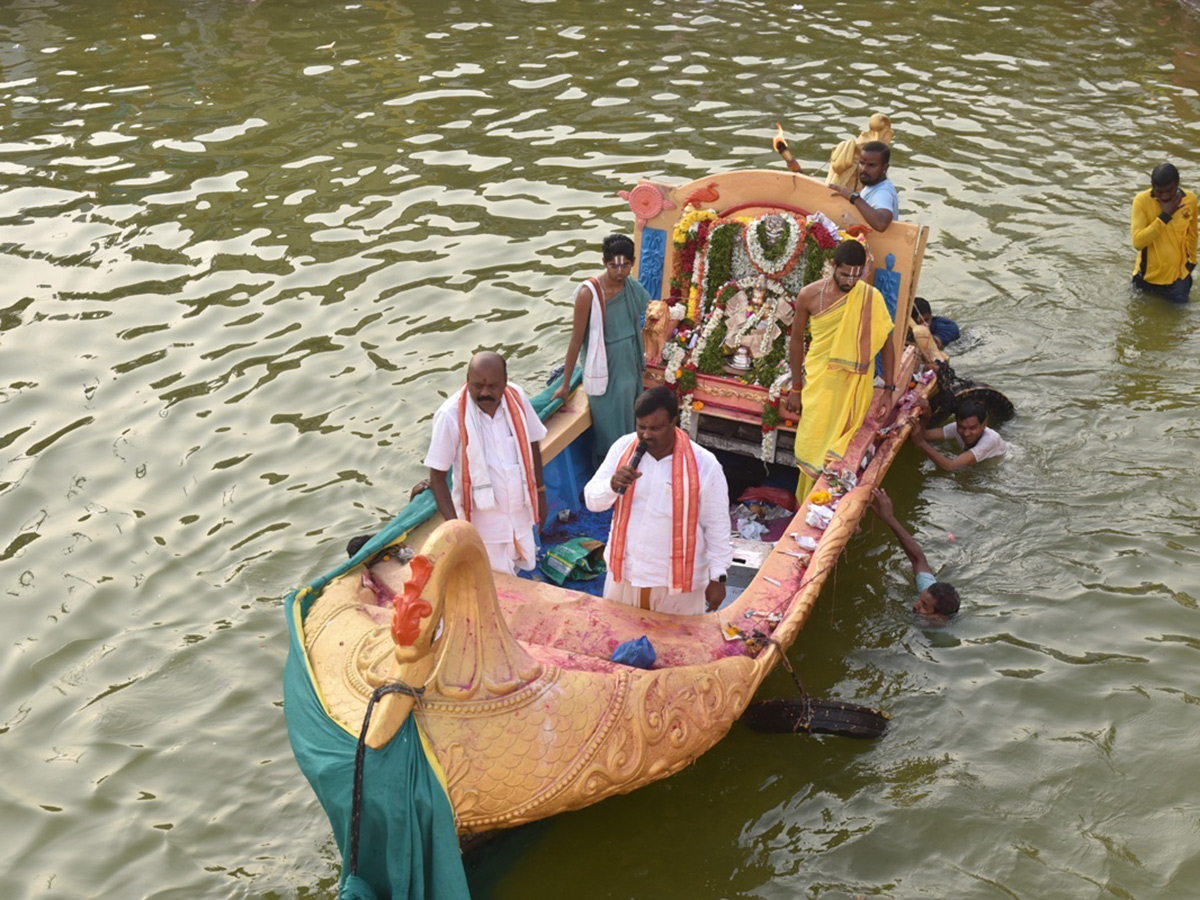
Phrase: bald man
(488, 433)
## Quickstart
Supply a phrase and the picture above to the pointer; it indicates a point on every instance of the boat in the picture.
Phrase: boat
(508, 683)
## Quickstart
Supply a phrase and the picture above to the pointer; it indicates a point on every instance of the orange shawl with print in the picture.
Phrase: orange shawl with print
(685, 515)
(513, 408)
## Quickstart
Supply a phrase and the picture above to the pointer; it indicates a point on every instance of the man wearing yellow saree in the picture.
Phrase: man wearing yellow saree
(850, 324)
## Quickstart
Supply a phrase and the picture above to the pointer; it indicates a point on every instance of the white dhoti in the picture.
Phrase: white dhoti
(655, 598)
(504, 511)
(509, 556)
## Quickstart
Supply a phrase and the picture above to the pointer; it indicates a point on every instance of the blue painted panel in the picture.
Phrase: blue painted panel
(652, 256)
(887, 282)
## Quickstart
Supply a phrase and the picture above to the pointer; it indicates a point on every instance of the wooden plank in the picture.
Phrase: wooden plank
(572, 420)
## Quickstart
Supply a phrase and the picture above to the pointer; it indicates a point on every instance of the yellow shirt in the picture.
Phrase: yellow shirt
(1164, 248)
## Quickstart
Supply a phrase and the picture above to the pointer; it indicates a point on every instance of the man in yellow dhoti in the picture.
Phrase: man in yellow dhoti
(833, 383)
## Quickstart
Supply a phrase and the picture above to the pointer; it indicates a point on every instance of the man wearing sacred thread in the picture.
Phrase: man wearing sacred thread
(607, 325)
(489, 433)
(669, 548)
(834, 381)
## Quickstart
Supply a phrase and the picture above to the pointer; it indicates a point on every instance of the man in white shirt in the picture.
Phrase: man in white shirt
(497, 468)
(876, 201)
(969, 429)
(669, 547)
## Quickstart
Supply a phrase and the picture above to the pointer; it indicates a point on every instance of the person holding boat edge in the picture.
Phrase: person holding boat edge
(669, 548)
(969, 429)
(1163, 228)
(877, 201)
(489, 433)
(944, 331)
(607, 325)
(835, 381)
(934, 598)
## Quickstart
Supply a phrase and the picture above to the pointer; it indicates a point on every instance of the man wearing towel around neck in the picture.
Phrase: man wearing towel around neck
(669, 547)
(488, 432)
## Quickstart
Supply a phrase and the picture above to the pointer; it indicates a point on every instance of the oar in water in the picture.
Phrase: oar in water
(812, 716)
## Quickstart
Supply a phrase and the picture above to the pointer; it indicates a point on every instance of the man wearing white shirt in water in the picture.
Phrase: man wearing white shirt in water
(669, 548)
(976, 441)
(498, 470)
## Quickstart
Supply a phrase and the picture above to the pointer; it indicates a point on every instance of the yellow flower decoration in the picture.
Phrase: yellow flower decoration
(687, 220)
(698, 405)
(819, 498)
(693, 305)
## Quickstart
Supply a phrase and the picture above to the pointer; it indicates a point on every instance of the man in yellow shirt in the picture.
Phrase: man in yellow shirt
(1163, 228)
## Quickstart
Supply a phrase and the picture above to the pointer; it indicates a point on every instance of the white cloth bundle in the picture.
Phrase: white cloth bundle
(595, 365)
(819, 516)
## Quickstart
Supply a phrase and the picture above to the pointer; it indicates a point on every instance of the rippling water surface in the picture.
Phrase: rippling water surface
(246, 247)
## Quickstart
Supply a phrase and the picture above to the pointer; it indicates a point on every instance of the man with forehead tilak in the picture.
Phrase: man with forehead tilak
(833, 381)
(669, 548)
(488, 432)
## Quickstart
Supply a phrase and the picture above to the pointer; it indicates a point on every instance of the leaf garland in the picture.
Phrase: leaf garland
(815, 257)
(712, 357)
(721, 241)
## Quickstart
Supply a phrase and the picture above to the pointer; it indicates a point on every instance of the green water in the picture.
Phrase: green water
(246, 247)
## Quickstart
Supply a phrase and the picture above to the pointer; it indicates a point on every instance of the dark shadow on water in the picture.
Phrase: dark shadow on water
(489, 857)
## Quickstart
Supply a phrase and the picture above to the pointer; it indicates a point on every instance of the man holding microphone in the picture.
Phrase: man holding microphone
(669, 548)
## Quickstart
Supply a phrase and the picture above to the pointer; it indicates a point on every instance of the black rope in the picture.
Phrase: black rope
(805, 699)
(360, 755)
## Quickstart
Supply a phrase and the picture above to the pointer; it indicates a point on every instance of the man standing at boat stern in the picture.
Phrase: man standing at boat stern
(489, 433)
(877, 200)
(1163, 229)
(669, 548)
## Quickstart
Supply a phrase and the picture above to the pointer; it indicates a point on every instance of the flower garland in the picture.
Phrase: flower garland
(693, 304)
(772, 262)
(714, 260)
(672, 357)
(750, 324)
(715, 322)
(689, 218)
(718, 256)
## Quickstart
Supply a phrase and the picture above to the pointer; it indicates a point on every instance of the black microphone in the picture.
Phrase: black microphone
(642, 447)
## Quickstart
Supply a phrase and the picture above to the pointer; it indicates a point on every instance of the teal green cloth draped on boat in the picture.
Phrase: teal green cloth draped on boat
(612, 411)
(408, 847)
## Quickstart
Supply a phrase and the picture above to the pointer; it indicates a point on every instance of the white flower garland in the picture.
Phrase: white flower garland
(775, 391)
(686, 411)
(714, 319)
(768, 445)
(672, 360)
(749, 325)
(792, 243)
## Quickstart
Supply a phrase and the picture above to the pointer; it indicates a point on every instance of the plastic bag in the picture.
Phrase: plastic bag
(579, 559)
(638, 652)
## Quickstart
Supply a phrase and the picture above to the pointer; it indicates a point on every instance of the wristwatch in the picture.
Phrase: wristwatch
(720, 579)
(855, 195)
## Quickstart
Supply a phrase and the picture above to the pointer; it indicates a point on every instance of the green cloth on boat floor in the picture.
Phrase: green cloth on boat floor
(579, 559)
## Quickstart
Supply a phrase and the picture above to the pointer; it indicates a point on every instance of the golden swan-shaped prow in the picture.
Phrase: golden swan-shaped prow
(521, 731)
